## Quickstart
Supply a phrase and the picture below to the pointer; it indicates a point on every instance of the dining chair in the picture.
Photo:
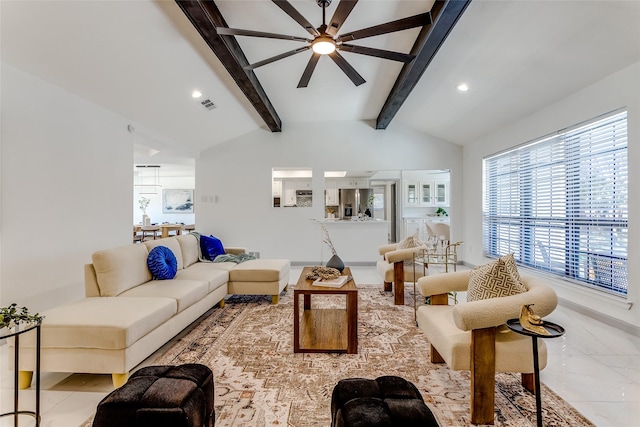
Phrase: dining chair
(150, 232)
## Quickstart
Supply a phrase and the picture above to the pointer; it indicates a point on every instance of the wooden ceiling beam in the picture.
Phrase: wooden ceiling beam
(445, 15)
(206, 17)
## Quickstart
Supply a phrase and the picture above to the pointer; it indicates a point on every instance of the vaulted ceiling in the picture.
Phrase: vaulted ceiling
(434, 25)
(143, 58)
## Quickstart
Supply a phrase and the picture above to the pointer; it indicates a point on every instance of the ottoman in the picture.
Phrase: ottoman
(260, 277)
(385, 401)
(161, 396)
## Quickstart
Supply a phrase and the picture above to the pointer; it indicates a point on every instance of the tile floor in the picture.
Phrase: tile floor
(594, 367)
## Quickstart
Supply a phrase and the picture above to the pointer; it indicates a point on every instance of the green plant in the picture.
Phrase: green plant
(12, 315)
(441, 212)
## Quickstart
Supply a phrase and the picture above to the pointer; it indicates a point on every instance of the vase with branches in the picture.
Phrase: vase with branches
(335, 260)
(144, 203)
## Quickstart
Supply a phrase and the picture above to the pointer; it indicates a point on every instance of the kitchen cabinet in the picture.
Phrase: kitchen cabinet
(413, 226)
(411, 193)
(303, 184)
(276, 188)
(426, 193)
(441, 193)
(331, 193)
(288, 192)
(354, 183)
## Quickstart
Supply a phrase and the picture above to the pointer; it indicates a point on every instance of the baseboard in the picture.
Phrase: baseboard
(604, 318)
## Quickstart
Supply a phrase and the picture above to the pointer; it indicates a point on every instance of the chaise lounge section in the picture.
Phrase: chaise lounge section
(127, 315)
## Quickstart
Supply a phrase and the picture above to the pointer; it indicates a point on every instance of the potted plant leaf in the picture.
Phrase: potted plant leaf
(12, 318)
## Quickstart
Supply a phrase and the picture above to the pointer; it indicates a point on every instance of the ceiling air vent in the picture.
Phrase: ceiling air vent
(208, 104)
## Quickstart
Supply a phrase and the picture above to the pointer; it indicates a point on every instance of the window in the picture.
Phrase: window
(560, 204)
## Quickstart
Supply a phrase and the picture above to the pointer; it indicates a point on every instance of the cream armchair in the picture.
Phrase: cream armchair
(395, 271)
(472, 336)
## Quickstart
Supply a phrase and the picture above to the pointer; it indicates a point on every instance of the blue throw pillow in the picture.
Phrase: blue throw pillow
(211, 247)
(162, 263)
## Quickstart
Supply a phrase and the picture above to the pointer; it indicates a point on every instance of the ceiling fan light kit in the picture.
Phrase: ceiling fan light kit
(323, 45)
(327, 41)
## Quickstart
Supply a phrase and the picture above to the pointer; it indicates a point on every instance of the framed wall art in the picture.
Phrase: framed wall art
(177, 201)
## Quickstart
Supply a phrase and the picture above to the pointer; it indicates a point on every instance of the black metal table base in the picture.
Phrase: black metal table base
(16, 413)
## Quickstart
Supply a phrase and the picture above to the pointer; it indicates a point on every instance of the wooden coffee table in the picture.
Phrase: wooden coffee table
(325, 330)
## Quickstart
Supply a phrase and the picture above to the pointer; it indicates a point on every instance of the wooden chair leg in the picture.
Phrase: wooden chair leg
(387, 286)
(435, 356)
(529, 382)
(483, 375)
(398, 279)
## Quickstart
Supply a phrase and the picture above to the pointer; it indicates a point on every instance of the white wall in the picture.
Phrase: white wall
(238, 173)
(66, 177)
(618, 90)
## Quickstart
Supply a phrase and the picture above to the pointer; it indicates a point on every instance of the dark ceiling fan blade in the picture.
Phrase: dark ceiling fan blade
(390, 27)
(275, 58)
(379, 53)
(237, 32)
(311, 65)
(296, 16)
(351, 72)
(340, 15)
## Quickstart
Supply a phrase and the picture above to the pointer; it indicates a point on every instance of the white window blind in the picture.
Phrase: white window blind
(560, 204)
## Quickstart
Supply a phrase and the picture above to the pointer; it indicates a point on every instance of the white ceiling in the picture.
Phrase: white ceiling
(143, 58)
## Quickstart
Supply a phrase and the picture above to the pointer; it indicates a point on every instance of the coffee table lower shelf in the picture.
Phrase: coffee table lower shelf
(332, 329)
(323, 331)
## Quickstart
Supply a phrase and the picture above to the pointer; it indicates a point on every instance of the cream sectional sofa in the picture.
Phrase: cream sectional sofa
(126, 315)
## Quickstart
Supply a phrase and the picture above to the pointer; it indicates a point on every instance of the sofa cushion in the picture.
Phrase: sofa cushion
(111, 323)
(493, 280)
(211, 247)
(206, 272)
(190, 250)
(260, 270)
(121, 268)
(513, 351)
(185, 292)
(171, 243)
(162, 263)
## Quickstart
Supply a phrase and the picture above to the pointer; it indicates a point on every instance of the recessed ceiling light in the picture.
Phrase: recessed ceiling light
(196, 94)
(462, 87)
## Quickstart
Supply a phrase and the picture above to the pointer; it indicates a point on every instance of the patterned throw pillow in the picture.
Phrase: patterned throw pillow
(492, 281)
(410, 242)
(510, 264)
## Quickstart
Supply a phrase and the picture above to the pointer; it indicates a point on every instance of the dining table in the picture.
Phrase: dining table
(167, 228)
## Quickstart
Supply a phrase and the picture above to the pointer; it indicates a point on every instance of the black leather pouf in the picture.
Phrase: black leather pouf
(384, 402)
(161, 396)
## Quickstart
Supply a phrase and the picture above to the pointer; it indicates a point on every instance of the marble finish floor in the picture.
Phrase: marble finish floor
(594, 367)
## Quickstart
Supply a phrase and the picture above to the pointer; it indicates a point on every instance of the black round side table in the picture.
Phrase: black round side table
(16, 335)
(555, 331)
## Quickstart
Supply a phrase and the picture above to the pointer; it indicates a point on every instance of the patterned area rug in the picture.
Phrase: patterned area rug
(259, 381)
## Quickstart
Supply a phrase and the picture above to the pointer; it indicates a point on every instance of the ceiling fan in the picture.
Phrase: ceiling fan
(326, 40)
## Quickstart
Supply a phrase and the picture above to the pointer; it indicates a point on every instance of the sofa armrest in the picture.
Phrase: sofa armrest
(443, 283)
(403, 254)
(496, 311)
(235, 251)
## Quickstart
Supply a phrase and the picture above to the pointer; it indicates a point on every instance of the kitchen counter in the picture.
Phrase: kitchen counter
(357, 241)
